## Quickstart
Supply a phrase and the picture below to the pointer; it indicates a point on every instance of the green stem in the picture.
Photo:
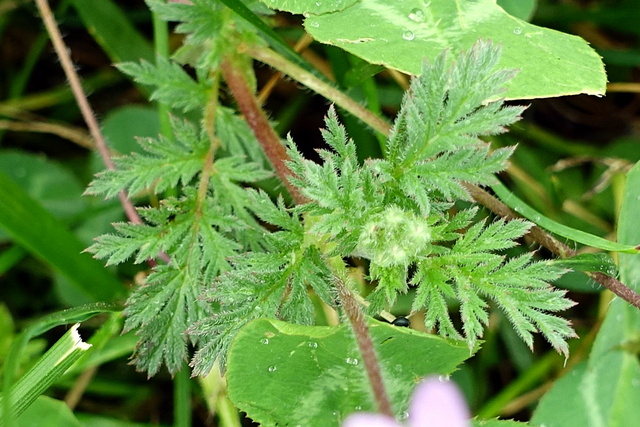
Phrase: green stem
(182, 397)
(227, 413)
(333, 94)
(161, 42)
(59, 95)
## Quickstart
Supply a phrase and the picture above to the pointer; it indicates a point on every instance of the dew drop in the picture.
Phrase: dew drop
(403, 416)
(408, 35)
(264, 341)
(537, 218)
(416, 15)
(517, 31)
(272, 368)
(352, 361)
(314, 24)
(318, 4)
(312, 344)
(358, 408)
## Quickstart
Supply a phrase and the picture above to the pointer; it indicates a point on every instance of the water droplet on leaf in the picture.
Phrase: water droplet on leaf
(272, 368)
(312, 344)
(352, 361)
(314, 24)
(408, 35)
(416, 15)
(264, 341)
(517, 31)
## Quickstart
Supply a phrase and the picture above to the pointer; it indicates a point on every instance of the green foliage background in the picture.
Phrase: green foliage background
(45, 223)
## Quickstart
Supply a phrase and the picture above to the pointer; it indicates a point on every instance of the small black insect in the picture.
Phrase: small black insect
(401, 321)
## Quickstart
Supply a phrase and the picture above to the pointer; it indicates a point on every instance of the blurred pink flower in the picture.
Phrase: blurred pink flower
(435, 403)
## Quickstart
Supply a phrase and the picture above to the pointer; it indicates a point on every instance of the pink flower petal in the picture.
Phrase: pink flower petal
(437, 403)
(364, 419)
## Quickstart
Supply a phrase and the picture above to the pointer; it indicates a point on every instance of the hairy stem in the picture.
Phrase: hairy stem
(333, 94)
(363, 338)
(208, 122)
(81, 98)
(259, 124)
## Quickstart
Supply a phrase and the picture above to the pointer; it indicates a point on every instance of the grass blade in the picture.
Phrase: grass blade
(579, 236)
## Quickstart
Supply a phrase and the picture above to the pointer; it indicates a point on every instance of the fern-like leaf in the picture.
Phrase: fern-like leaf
(172, 85)
(165, 164)
(395, 212)
(263, 284)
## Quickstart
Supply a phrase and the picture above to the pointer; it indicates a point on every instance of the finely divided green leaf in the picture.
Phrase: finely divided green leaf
(165, 164)
(263, 284)
(394, 212)
(201, 20)
(471, 273)
(160, 311)
(173, 86)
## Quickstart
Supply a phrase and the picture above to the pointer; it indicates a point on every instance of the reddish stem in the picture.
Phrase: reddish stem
(81, 98)
(259, 124)
(365, 345)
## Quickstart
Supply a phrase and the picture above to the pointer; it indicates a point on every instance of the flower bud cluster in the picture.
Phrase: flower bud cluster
(393, 237)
